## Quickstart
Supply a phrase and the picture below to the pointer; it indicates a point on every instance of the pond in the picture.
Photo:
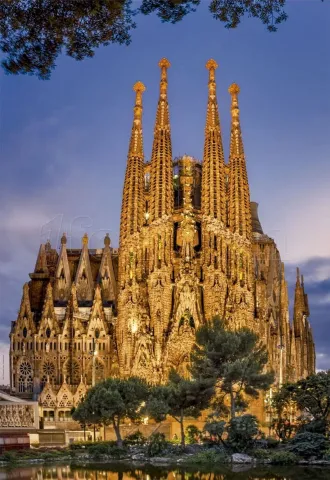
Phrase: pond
(106, 472)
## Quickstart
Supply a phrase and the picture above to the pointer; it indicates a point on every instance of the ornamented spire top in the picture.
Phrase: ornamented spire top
(213, 179)
(161, 189)
(136, 143)
(63, 239)
(132, 208)
(239, 193)
(236, 142)
(107, 240)
(85, 240)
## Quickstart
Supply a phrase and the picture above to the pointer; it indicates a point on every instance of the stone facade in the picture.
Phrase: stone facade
(191, 247)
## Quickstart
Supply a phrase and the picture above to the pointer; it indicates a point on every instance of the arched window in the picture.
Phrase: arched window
(48, 332)
(25, 332)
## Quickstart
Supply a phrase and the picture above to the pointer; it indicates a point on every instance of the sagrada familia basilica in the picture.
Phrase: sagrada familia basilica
(191, 248)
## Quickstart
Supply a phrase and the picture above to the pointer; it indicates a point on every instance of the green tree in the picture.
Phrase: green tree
(179, 398)
(235, 360)
(33, 33)
(113, 400)
(310, 395)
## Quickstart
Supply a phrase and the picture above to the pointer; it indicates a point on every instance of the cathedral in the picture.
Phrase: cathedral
(191, 248)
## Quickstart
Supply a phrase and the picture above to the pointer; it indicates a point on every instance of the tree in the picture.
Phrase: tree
(310, 395)
(33, 33)
(179, 398)
(235, 359)
(113, 400)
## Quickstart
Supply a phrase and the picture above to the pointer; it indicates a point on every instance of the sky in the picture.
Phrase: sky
(64, 141)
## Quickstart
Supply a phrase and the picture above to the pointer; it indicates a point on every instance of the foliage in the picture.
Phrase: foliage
(179, 398)
(272, 442)
(210, 456)
(261, 453)
(235, 360)
(283, 458)
(313, 426)
(156, 444)
(193, 434)
(283, 427)
(308, 444)
(112, 400)
(242, 432)
(34, 33)
(106, 448)
(311, 395)
(9, 456)
(216, 429)
(136, 438)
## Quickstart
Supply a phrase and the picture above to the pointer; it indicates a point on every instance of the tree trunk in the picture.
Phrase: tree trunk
(232, 404)
(117, 431)
(183, 443)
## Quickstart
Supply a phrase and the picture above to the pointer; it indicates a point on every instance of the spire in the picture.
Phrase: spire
(161, 158)
(299, 309)
(41, 263)
(133, 203)
(62, 273)
(213, 179)
(239, 194)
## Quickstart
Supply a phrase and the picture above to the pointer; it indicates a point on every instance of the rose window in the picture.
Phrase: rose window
(49, 369)
(25, 369)
(72, 372)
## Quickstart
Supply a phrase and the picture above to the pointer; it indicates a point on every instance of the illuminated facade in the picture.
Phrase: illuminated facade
(191, 247)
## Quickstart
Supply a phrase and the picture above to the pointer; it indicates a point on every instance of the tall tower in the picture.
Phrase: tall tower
(130, 251)
(160, 230)
(214, 213)
(239, 256)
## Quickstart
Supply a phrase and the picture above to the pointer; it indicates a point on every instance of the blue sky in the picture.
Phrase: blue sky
(64, 141)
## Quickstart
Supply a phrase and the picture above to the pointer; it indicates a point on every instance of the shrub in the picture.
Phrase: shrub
(242, 432)
(272, 442)
(9, 456)
(215, 429)
(261, 453)
(283, 458)
(326, 455)
(136, 438)
(314, 426)
(308, 444)
(192, 434)
(156, 444)
(106, 448)
(209, 457)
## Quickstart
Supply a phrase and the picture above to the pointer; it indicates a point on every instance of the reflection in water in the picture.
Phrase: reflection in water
(106, 472)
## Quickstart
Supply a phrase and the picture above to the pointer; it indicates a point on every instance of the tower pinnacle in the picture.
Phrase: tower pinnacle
(239, 194)
(132, 203)
(161, 201)
(213, 180)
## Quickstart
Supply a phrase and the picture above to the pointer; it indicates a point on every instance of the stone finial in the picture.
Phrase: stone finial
(107, 240)
(234, 89)
(164, 63)
(85, 239)
(139, 87)
(63, 239)
(211, 64)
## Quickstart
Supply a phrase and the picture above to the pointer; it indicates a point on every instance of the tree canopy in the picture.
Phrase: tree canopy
(33, 33)
(179, 398)
(235, 360)
(111, 401)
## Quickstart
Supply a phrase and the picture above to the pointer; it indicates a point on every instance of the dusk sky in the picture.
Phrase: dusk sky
(64, 141)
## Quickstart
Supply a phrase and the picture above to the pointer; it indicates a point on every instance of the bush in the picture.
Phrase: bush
(136, 438)
(272, 442)
(192, 434)
(215, 429)
(242, 432)
(283, 458)
(106, 448)
(209, 457)
(308, 444)
(9, 456)
(156, 444)
(326, 455)
(261, 453)
(315, 426)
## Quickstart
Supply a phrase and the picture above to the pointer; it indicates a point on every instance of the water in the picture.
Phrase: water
(106, 472)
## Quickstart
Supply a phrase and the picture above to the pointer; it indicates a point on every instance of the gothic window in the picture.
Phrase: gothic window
(99, 372)
(49, 370)
(48, 401)
(24, 332)
(25, 378)
(48, 332)
(97, 333)
(65, 401)
(72, 371)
